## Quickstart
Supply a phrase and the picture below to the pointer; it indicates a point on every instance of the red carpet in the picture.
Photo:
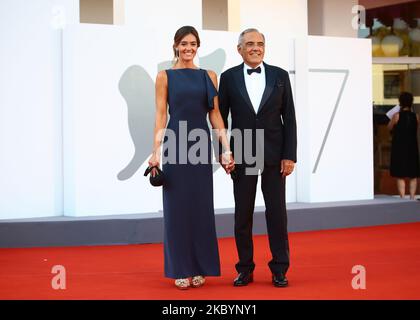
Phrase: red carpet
(321, 264)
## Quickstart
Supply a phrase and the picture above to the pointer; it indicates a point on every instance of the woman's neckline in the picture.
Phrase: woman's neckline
(185, 69)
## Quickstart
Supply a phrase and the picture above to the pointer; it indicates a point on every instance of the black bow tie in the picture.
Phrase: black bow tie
(257, 70)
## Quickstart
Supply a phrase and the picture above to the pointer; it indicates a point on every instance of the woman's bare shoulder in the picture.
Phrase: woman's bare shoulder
(161, 77)
(213, 76)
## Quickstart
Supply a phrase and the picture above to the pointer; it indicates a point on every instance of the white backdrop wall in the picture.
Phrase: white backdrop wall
(30, 107)
(340, 118)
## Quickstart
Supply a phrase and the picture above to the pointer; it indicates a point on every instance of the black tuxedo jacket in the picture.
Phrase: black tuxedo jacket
(276, 113)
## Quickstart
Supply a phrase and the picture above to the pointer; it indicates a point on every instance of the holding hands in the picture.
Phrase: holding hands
(227, 162)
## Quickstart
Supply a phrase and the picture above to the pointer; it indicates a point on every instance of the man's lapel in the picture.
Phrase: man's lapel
(269, 85)
(240, 83)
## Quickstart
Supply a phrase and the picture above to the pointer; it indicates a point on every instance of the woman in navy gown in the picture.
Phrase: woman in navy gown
(190, 242)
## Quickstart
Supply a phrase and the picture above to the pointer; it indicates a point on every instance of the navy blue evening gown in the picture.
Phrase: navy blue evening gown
(190, 242)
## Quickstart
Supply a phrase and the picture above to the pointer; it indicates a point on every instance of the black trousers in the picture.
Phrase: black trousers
(274, 192)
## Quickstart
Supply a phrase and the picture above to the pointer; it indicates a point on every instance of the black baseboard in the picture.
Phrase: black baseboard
(148, 228)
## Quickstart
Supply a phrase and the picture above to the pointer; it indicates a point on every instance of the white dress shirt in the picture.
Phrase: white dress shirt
(255, 85)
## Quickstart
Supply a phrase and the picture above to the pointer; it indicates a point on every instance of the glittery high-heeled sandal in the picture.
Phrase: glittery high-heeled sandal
(182, 283)
(198, 281)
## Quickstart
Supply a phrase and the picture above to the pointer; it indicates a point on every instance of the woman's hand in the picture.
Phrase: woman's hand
(154, 161)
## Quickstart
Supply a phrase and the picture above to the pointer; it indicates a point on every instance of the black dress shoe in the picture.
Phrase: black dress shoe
(280, 280)
(243, 279)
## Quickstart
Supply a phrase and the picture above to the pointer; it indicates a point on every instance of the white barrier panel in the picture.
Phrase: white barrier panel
(30, 106)
(109, 107)
(340, 111)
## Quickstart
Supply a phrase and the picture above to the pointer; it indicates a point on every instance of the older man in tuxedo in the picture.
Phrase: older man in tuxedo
(259, 96)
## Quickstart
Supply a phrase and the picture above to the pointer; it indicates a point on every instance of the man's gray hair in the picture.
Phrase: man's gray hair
(243, 33)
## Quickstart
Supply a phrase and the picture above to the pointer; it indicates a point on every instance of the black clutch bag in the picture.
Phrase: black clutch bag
(157, 180)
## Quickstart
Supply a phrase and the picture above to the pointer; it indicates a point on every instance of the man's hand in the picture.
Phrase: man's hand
(286, 167)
